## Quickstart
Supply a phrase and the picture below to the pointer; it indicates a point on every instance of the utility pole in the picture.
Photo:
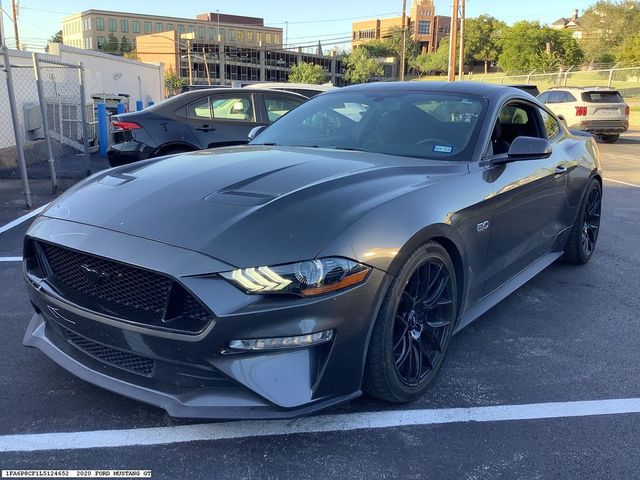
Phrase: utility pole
(206, 65)
(15, 23)
(453, 39)
(462, 19)
(286, 34)
(189, 62)
(2, 42)
(404, 40)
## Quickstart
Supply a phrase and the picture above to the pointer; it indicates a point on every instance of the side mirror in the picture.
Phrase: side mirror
(255, 131)
(529, 148)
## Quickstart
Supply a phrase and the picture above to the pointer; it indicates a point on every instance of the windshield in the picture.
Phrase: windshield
(417, 124)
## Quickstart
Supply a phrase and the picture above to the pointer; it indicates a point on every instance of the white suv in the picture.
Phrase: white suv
(598, 110)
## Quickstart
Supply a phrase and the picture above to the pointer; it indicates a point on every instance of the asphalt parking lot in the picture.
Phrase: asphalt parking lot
(564, 346)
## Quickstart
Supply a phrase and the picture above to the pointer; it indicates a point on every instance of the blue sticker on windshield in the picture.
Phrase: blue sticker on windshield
(442, 149)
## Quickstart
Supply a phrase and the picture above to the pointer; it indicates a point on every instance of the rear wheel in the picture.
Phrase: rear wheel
(412, 332)
(584, 234)
(610, 138)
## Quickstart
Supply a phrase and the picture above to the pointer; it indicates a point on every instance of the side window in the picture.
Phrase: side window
(555, 97)
(569, 97)
(201, 109)
(550, 124)
(544, 97)
(515, 120)
(514, 115)
(277, 106)
(233, 107)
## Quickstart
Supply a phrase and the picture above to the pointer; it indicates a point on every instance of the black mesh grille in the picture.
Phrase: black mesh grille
(117, 358)
(121, 290)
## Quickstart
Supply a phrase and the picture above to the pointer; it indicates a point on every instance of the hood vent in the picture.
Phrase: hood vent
(240, 198)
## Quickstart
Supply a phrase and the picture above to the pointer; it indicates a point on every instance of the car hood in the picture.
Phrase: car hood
(247, 206)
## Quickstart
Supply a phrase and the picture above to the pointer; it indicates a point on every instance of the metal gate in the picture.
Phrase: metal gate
(46, 126)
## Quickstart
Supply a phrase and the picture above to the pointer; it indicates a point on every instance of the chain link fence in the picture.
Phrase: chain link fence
(46, 126)
(627, 80)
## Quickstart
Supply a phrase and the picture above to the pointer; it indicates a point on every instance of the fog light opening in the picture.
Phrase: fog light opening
(298, 341)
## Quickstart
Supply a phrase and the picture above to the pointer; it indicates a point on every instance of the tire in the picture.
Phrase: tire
(417, 332)
(610, 138)
(584, 234)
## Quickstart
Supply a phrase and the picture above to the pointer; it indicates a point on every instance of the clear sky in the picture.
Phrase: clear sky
(327, 20)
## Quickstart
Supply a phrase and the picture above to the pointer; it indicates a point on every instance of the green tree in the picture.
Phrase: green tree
(360, 67)
(628, 54)
(131, 55)
(482, 41)
(173, 82)
(307, 73)
(606, 25)
(125, 45)
(528, 46)
(433, 62)
(57, 38)
(111, 46)
(391, 46)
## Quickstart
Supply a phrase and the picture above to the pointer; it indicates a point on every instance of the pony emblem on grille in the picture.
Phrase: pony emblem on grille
(96, 277)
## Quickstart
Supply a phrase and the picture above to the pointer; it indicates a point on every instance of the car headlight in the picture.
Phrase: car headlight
(308, 278)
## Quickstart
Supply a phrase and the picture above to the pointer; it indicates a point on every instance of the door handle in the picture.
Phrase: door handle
(560, 169)
(205, 128)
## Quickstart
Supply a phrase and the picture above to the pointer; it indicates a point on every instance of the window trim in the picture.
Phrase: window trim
(561, 128)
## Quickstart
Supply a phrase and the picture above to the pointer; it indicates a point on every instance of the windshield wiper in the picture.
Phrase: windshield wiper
(268, 144)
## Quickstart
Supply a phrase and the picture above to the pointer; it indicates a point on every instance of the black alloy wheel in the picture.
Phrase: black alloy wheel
(591, 220)
(423, 322)
(584, 235)
(414, 326)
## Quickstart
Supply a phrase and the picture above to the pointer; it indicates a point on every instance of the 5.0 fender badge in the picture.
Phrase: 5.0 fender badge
(482, 226)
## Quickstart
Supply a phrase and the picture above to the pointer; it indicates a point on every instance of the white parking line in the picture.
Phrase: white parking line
(10, 259)
(321, 423)
(21, 219)
(615, 156)
(623, 183)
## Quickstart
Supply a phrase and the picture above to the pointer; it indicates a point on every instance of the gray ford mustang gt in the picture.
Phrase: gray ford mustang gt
(334, 255)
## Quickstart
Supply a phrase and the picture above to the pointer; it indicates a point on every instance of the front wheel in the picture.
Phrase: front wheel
(413, 328)
(584, 234)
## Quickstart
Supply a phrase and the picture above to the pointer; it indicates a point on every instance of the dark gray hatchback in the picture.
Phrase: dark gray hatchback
(195, 120)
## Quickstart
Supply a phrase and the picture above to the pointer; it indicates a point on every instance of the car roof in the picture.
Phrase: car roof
(199, 92)
(585, 89)
(465, 88)
(278, 85)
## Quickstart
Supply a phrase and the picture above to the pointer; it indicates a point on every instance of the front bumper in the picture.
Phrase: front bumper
(190, 376)
(230, 401)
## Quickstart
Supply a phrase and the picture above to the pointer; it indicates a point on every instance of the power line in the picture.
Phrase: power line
(375, 15)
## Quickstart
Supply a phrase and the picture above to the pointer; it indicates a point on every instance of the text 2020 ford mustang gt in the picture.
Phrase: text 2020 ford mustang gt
(335, 254)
